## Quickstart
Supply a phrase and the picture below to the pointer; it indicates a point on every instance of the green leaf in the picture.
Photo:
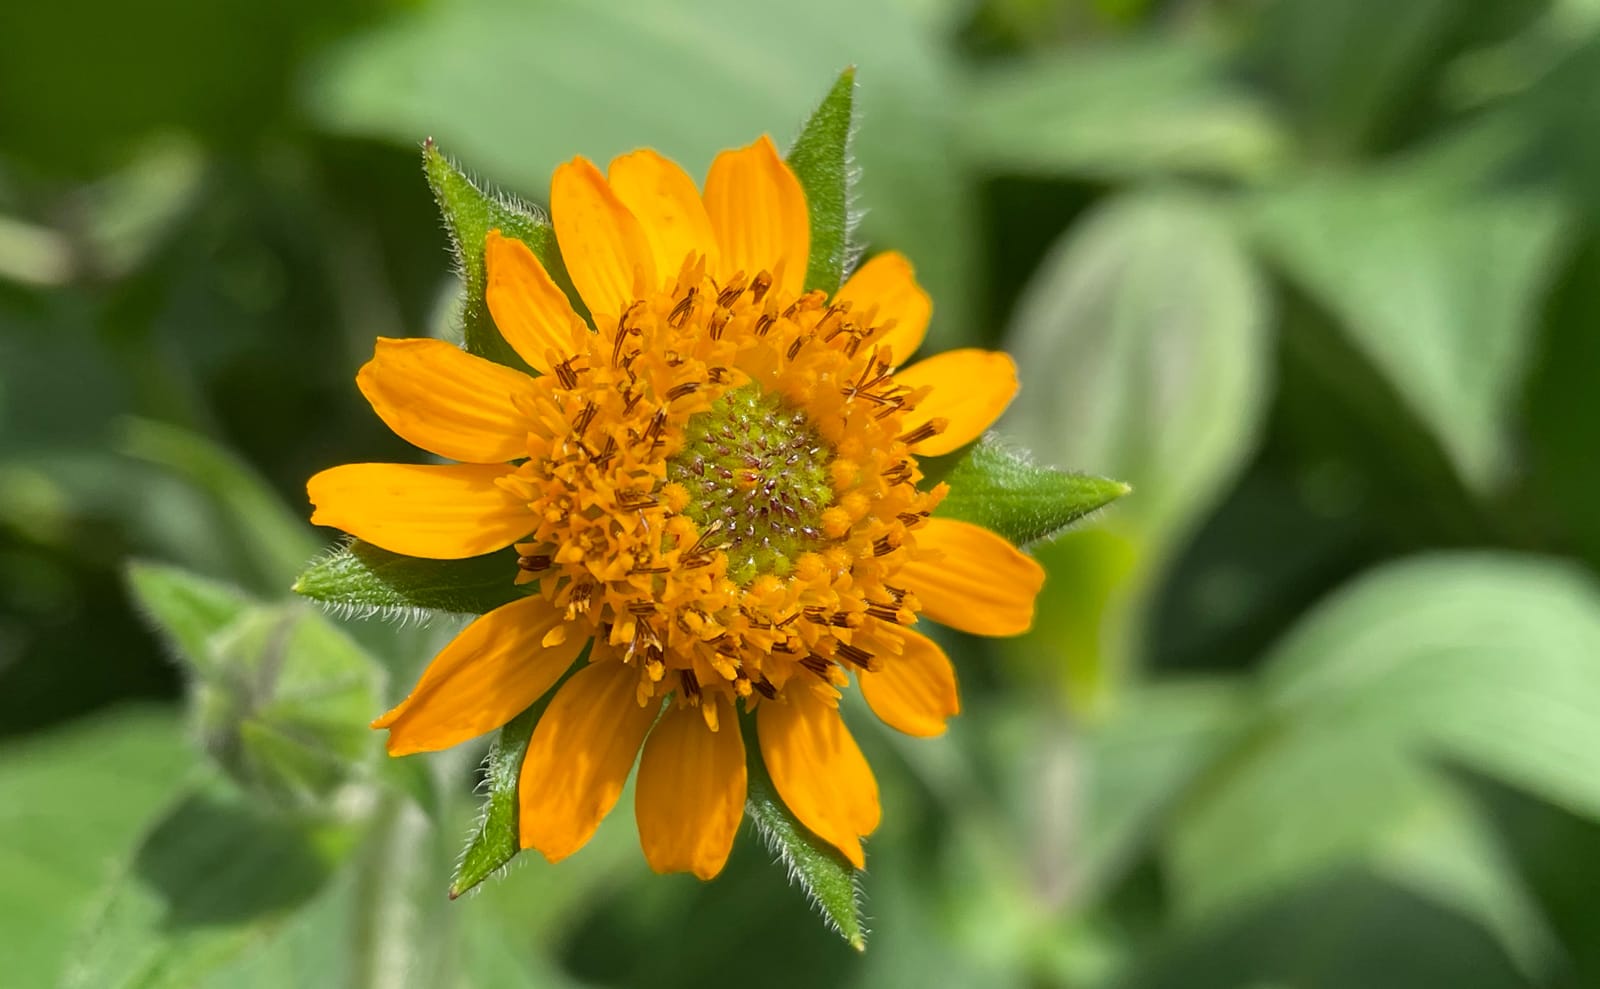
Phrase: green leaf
(469, 214)
(497, 839)
(73, 802)
(365, 580)
(1001, 490)
(1142, 352)
(189, 609)
(817, 866)
(273, 539)
(1440, 289)
(214, 879)
(820, 159)
(1115, 112)
(1476, 660)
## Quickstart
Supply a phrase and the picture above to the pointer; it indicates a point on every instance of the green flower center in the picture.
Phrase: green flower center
(758, 467)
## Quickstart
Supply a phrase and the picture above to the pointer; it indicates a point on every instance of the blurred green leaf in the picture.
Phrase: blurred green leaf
(190, 610)
(73, 801)
(1483, 661)
(1001, 490)
(1346, 73)
(818, 867)
(469, 214)
(280, 696)
(1136, 767)
(214, 879)
(1119, 112)
(686, 80)
(820, 158)
(1142, 351)
(365, 580)
(275, 541)
(1440, 290)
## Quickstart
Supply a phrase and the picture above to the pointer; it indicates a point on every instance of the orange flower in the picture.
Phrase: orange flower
(716, 485)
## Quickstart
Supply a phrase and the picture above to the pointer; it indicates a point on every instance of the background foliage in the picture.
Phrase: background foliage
(1316, 707)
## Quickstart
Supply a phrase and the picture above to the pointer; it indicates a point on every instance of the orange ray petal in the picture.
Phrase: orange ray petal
(691, 789)
(602, 242)
(439, 397)
(818, 770)
(971, 579)
(580, 755)
(758, 210)
(668, 206)
(530, 310)
(446, 512)
(970, 388)
(915, 691)
(888, 284)
(486, 676)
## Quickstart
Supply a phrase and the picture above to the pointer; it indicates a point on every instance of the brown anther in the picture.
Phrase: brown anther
(764, 323)
(690, 684)
(882, 546)
(566, 374)
(913, 519)
(718, 323)
(855, 655)
(900, 473)
(680, 312)
(794, 348)
(534, 564)
(641, 607)
(891, 613)
(817, 665)
(682, 389)
(926, 431)
(765, 688)
(728, 296)
(580, 423)
(606, 452)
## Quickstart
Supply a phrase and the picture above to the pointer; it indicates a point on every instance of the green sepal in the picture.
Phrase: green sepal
(470, 212)
(820, 159)
(828, 879)
(498, 837)
(279, 695)
(1001, 490)
(366, 580)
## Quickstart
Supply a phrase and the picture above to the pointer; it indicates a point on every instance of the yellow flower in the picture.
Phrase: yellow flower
(716, 485)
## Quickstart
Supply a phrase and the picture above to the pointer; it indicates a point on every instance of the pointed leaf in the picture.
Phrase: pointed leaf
(470, 213)
(496, 841)
(817, 866)
(498, 837)
(367, 580)
(1005, 493)
(820, 159)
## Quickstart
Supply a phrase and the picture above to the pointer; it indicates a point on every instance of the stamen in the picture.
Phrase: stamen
(926, 431)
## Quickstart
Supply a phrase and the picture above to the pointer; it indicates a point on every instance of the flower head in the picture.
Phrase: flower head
(716, 484)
